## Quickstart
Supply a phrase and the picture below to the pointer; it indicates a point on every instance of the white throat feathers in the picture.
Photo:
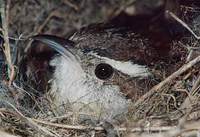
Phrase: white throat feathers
(85, 92)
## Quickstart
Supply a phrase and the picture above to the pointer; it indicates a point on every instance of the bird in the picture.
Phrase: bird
(102, 69)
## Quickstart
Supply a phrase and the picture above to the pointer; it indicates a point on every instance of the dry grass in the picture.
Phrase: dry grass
(169, 109)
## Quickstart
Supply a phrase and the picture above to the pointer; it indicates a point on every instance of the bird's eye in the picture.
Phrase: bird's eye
(103, 71)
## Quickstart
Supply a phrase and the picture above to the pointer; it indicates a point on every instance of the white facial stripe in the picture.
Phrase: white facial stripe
(133, 70)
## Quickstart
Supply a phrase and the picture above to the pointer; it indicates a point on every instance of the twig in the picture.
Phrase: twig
(167, 80)
(190, 50)
(4, 9)
(4, 17)
(30, 122)
(39, 29)
(122, 129)
(191, 98)
(54, 13)
(12, 75)
(183, 24)
(67, 2)
(195, 86)
(78, 127)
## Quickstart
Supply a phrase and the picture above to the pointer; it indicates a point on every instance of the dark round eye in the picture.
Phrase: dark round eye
(103, 71)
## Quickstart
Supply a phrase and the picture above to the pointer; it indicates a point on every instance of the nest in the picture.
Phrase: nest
(170, 108)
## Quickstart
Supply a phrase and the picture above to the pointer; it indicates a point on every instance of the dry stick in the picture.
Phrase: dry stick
(4, 9)
(67, 2)
(54, 13)
(12, 75)
(31, 123)
(78, 127)
(191, 98)
(122, 129)
(188, 127)
(183, 24)
(4, 17)
(167, 80)
(123, 7)
(195, 86)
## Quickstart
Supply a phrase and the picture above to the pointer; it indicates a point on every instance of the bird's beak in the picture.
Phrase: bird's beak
(59, 44)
